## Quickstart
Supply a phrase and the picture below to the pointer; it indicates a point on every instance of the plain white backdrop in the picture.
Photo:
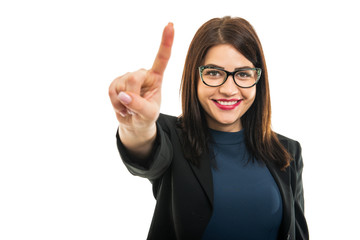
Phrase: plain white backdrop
(60, 173)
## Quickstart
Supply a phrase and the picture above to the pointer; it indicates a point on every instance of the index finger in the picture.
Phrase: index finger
(164, 52)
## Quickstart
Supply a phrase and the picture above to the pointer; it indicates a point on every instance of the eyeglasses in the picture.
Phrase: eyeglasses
(214, 76)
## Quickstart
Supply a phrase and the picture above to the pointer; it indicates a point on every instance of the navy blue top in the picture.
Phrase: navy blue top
(247, 201)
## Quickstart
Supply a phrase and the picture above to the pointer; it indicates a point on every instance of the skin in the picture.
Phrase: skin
(219, 117)
(136, 99)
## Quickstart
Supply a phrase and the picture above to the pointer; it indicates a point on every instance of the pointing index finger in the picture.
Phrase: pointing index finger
(164, 52)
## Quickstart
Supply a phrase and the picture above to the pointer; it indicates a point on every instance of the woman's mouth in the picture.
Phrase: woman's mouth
(227, 104)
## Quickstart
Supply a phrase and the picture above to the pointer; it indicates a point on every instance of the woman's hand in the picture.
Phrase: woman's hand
(136, 99)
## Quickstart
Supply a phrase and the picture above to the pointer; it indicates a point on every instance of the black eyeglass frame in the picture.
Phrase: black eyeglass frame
(258, 71)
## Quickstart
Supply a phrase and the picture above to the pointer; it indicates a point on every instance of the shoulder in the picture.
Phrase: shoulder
(294, 148)
(291, 145)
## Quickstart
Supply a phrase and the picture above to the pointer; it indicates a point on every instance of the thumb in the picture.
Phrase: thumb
(139, 105)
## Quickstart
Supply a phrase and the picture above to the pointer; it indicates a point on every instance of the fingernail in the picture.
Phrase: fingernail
(124, 98)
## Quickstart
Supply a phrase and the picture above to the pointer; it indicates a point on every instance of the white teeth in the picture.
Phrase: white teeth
(227, 102)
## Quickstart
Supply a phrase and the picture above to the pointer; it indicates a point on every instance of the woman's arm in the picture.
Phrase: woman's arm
(160, 156)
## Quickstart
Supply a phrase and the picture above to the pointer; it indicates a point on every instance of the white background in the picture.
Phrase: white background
(60, 173)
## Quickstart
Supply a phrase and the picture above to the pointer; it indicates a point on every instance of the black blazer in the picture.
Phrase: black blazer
(184, 192)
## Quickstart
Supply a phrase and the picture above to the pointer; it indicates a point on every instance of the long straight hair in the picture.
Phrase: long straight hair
(261, 141)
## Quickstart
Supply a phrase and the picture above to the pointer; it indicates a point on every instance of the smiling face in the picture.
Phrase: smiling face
(225, 105)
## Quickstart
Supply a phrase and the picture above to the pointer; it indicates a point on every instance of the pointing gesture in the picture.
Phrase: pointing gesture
(164, 52)
(136, 99)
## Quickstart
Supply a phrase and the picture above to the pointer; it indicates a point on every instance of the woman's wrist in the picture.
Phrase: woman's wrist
(138, 142)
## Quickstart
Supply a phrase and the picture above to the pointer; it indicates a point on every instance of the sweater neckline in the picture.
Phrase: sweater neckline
(227, 138)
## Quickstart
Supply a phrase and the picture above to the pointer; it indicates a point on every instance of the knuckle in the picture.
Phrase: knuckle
(143, 72)
(117, 84)
(132, 79)
(122, 77)
(112, 91)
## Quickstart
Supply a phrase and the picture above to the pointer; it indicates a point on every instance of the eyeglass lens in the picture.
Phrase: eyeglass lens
(243, 78)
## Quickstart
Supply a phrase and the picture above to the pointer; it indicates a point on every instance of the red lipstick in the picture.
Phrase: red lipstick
(227, 104)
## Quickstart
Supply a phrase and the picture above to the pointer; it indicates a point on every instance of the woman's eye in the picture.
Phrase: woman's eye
(213, 73)
(243, 74)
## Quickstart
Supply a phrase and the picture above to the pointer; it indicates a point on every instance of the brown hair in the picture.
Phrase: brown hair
(261, 141)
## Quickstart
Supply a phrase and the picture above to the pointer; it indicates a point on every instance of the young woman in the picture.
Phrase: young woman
(218, 171)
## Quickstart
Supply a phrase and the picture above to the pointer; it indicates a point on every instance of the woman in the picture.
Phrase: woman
(218, 171)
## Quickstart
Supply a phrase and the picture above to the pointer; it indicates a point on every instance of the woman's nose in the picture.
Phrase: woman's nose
(229, 88)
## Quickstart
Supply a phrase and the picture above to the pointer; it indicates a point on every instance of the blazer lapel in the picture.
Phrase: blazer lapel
(204, 176)
(202, 173)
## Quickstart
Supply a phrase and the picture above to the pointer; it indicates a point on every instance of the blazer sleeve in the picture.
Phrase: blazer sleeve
(158, 161)
(301, 229)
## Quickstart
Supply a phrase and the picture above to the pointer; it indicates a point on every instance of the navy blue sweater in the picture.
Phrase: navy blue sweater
(247, 201)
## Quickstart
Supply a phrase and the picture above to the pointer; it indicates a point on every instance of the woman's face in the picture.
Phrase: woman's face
(225, 105)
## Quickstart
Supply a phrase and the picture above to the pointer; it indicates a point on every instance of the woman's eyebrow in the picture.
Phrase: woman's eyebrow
(236, 69)
(240, 68)
(213, 65)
